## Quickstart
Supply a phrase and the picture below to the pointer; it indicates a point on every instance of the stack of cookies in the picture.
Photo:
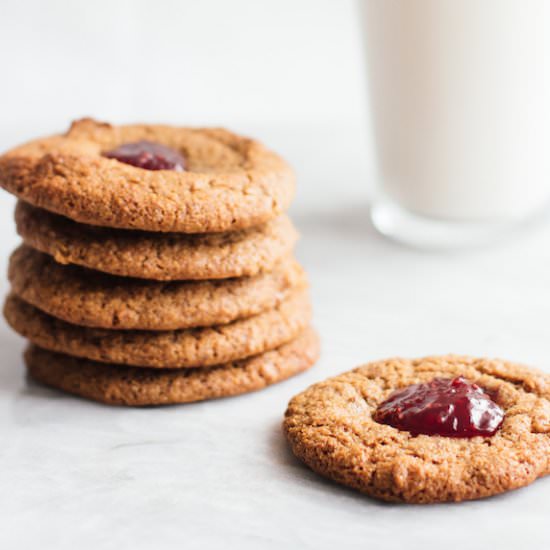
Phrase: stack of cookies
(156, 264)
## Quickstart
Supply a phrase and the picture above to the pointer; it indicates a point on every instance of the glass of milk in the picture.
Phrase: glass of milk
(460, 97)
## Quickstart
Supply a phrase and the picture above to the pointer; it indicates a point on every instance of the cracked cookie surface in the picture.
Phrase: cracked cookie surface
(116, 385)
(230, 182)
(162, 257)
(93, 299)
(330, 427)
(186, 348)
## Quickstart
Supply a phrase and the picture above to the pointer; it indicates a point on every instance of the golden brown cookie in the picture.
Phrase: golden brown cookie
(94, 299)
(230, 182)
(162, 257)
(331, 427)
(199, 347)
(116, 385)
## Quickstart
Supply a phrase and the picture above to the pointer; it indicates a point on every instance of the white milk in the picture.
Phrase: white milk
(460, 94)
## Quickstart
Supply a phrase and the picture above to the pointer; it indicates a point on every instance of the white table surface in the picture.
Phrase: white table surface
(75, 474)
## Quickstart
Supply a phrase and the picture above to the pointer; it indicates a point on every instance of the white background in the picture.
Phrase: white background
(238, 62)
(219, 475)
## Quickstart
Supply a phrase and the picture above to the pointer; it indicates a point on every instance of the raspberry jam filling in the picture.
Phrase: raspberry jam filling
(451, 407)
(148, 155)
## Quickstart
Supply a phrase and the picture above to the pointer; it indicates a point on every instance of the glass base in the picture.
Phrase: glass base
(430, 233)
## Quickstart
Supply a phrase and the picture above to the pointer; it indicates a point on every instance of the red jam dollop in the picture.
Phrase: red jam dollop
(451, 407)
(148, 155)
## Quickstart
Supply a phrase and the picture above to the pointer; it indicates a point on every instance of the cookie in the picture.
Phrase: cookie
(162, 257)
(330, 426)
(229, 182)
(116, 385)
(198, 347)
(94, 299)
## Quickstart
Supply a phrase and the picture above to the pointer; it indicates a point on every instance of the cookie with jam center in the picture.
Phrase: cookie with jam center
(342, 428)
(162, 257)
(89, 298)
(185, 348)
(133, 386)
(97, 174)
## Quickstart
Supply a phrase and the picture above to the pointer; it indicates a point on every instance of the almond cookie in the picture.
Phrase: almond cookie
(198, 347)
(162, 257)
(189, 180)
(377, 428)
(116, 385)
(93, 299)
